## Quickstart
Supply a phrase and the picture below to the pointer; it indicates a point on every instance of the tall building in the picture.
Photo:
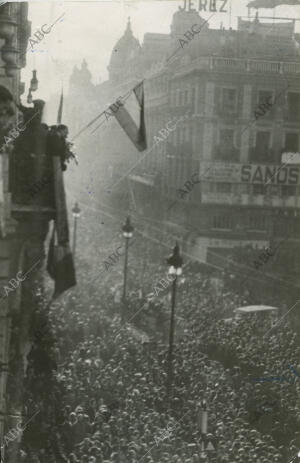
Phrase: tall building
(14, 34)
(207, 86)
(27, 204)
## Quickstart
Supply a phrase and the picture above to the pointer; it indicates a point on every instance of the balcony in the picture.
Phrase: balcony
(182, 108)
(222, 153)
(240, 65)
(180, 150)
(227, 112)
(250, 200)
(266, 156)
(225, 63)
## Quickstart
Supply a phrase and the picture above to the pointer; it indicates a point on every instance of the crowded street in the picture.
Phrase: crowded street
(150, 231)
(108, 399)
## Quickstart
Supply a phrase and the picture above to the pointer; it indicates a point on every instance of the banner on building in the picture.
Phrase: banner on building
(284, 174)
(290, 158)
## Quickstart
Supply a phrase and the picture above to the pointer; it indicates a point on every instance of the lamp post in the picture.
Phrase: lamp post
(34, 82)
(29, 97)
(175, 268)
(127, 233)
(202, 407)
(76, 214)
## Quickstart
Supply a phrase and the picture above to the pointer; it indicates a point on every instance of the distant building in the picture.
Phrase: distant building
(219, 78)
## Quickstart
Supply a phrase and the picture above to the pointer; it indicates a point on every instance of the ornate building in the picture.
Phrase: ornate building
(14, 34)
(26, 207)
(218, 79)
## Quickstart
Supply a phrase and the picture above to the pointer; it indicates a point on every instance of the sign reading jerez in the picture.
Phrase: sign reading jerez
(250, 173)
(205, 5)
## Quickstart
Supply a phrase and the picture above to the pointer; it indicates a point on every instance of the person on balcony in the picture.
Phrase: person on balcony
(57, 144)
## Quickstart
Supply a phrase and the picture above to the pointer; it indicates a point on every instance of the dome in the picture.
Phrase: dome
(127, 48)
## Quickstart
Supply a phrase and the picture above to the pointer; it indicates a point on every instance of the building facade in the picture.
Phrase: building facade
(235, 95)
(14, 34)
(24, 223)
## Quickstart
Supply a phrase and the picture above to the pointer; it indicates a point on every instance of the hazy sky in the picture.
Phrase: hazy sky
(90, 29)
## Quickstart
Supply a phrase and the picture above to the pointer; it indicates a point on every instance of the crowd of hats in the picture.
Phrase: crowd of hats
(102, 395)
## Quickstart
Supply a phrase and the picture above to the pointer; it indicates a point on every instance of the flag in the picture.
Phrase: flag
(60, 108)
(60, 265)
(271, 3)
(131, 117)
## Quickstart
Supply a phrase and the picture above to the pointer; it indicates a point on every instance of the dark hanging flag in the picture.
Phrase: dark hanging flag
(131, 117)
(271, 3)
(60, 265)
(60, 108)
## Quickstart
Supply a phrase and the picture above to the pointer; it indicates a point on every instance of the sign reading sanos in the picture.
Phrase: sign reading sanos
(250, 173)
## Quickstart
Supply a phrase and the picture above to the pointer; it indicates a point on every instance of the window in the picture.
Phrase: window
(265, 96)
(259, 189)
(262, 142)
(288, 190)
(186, 97)
(186, 135)
(291, 142)
(177, 174)
(261, 152)
(225, 149)
(294, 106)
(243, 189)
(223, 222)
(264, 104)
(228, 100)
(227, 138)
(193, 99)
(257, 222)
(274, 189)
(223, 187)
(191, 130)
(205, 187)
(174, 165)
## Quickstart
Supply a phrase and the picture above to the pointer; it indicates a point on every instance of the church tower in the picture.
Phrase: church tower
(124, 55)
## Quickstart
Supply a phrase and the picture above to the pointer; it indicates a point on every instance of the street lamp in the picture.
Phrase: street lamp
(76, 214)
(175, 268)
(29, 97)
(127, 233)
(34, 82)
(202, 417)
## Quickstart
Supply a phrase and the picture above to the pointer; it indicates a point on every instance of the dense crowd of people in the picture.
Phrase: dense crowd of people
(101, 389)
